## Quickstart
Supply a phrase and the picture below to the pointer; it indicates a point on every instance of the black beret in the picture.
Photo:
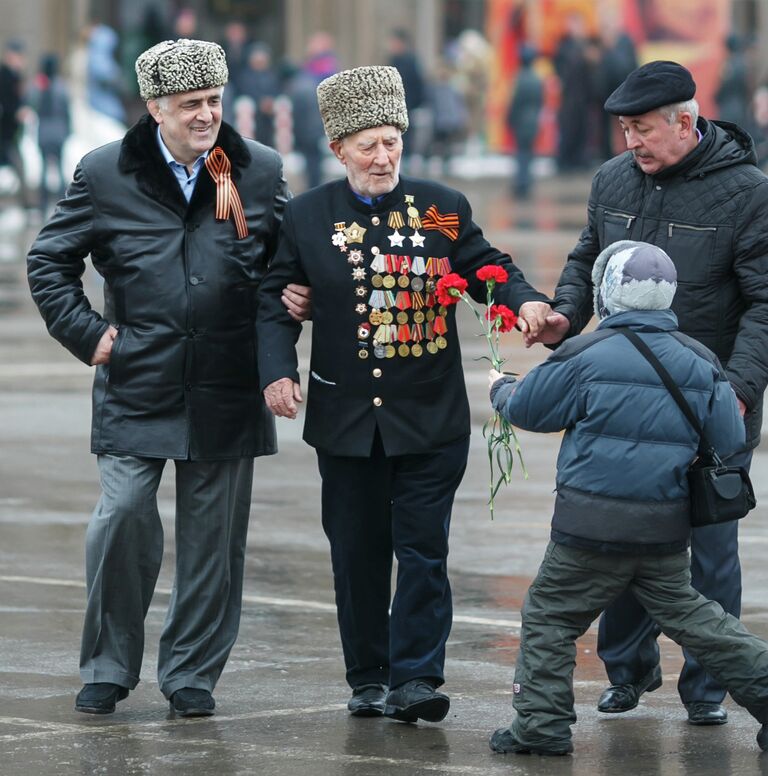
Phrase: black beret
(651, 86)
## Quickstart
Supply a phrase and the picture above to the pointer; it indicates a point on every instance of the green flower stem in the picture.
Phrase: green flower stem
(503, 444)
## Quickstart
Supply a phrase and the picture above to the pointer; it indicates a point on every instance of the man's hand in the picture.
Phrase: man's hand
(493, 376)
(298, 301)
(539, 323)
(104, 348)
(742, 407)
(282, 397)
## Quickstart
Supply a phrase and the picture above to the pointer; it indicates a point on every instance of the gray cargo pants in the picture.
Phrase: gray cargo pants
(124, 549)
(573, 586)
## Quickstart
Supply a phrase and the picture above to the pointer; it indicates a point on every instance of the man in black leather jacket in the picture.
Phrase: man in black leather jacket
(180, 219)
(691, 187)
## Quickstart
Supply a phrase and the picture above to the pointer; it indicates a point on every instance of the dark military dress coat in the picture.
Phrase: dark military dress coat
(385, 353)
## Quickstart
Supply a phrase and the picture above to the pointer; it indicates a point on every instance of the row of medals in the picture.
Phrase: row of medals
(344, 236)
(378, 317)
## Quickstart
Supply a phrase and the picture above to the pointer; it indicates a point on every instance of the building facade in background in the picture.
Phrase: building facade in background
(691, 31)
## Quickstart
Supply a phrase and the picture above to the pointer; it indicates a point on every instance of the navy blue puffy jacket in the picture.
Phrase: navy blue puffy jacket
(621, 471)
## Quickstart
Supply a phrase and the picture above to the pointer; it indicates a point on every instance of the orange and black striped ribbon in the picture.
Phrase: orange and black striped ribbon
(447, 224)
(227, 199)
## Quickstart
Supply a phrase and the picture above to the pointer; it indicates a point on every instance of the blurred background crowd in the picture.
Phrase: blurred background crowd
(492, 85)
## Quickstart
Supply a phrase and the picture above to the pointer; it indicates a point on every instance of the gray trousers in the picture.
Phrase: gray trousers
(571, 589)
(124, 549)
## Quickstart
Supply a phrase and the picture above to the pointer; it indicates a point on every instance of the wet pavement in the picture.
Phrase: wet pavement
(281, 701)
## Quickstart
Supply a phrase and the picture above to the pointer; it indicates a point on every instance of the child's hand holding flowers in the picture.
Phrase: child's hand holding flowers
(502, 441)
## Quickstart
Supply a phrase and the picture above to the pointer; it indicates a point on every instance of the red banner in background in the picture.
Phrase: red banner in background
(691, 32)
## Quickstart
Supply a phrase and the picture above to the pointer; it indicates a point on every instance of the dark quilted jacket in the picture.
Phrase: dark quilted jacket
(585, 388)
(709, 212)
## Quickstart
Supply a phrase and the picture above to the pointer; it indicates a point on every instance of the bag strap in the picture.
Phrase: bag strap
(670, 384)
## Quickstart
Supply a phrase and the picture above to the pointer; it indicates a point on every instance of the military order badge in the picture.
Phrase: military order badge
(405, 318)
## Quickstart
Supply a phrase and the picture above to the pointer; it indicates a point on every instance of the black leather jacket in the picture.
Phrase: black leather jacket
(181, 288)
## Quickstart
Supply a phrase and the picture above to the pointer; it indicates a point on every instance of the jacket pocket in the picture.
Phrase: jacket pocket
(691, 248)
(616, 226)
(115, 356)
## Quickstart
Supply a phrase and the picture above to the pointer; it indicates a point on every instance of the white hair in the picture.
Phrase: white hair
(671, 112)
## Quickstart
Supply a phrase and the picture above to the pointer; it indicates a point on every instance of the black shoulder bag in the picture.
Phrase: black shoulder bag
(719, 493)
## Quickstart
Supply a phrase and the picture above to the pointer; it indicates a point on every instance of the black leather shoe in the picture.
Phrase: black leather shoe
(416, 700)
(503, 741)
(762, 737)
(99, 697)
(705, 713)
(368, 700)
(619, 698)
(191, 702)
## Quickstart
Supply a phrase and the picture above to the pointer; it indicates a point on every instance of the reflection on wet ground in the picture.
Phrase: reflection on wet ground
(281, 701)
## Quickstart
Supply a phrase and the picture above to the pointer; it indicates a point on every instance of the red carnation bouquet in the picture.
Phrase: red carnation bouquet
(498, 318)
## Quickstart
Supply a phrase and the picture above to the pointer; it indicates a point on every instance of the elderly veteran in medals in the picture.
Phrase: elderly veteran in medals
(180, 219)
(387, 407)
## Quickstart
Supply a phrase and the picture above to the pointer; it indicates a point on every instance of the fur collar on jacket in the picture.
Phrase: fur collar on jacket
(140, 154)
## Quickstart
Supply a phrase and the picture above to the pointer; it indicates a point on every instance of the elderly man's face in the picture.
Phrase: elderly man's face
(655, 143)
(189, 122)
(372, 158)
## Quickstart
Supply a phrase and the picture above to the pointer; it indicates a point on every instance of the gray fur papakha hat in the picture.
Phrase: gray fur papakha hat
(183, 65)
(358, 99)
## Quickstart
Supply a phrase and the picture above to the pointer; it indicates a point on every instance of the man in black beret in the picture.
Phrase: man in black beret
(649, 87)
(690, 186)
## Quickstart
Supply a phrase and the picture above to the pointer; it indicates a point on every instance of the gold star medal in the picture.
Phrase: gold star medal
(354, 233)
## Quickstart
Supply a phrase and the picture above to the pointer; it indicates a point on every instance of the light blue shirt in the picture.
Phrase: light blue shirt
(185, 178)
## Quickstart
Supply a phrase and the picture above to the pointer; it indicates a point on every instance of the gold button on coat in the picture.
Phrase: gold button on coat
(377, 402)
(375, 220)
(377, 372)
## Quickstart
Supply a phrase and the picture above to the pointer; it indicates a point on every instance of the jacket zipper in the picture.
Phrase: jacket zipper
(629, 218)
(693, 228)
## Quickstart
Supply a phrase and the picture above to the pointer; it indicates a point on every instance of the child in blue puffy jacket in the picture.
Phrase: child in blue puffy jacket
(621, 515)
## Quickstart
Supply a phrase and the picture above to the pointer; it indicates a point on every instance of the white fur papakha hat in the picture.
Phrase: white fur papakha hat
(183, 65)
(353, 100)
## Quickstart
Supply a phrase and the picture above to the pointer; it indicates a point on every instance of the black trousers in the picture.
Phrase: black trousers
(374, 508)
(627, 635)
